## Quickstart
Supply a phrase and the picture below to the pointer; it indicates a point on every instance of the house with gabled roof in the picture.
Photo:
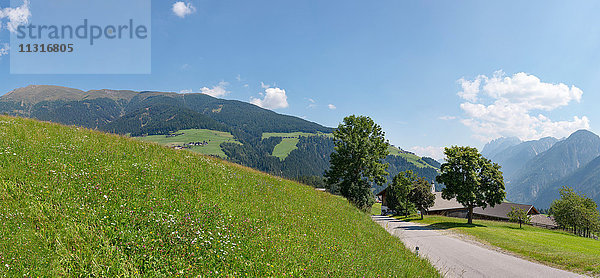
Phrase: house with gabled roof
(452, 208)
(500, 211)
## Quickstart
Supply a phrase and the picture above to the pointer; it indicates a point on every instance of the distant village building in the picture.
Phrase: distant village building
(190, 145)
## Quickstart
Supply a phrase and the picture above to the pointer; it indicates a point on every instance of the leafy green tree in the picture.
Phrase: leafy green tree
(471, 178)
(398, 192)
(356, 163)
(420, 195)
(576, 212)
(519, 215)
(563, 209)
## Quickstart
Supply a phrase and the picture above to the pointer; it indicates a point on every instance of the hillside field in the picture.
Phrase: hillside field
(214, 139)
(414, 159)
(289, 142)
(75, 202)
(552, 247)
(283, 149)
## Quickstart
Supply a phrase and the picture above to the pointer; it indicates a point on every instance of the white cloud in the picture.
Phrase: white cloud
(216, 91)
(311, 103)
(470, 89)
(188, 91)
(273, 98)
(265, 86)
(430, 151)
(447, 118)
(4, 49)
(181, 9)
(16, 16)
(511, 106)
(331, 106)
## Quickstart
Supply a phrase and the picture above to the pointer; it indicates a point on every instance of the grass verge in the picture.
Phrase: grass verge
(376, 209)
(552, 247)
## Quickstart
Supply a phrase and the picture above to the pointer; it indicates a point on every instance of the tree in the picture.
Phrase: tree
(356, 163)
(471, 178)
(519, 215)
(399, 190)
(576, 212)
(421, 195)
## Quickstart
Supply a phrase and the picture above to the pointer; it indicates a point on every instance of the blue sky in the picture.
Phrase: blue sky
(427, 71)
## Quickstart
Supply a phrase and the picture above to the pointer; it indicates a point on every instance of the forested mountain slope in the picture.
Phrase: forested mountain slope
(160, 113)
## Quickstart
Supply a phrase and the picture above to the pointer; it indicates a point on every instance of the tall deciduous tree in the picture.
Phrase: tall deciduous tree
(471, 178)
(576, 211)
(421, 195)
(356, 163)
(398, 192)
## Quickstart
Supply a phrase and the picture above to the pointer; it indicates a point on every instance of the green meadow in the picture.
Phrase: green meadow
(75, 202)
(414, 159)
(212, 137)
(553, 247)
(289, 141)
(283, 149)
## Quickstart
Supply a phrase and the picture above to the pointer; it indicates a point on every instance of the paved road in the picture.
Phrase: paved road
(458, 258)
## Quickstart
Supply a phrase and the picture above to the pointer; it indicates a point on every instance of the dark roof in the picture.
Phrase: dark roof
(381, 192)
(502, 210)
(541, 219)
(443, 204)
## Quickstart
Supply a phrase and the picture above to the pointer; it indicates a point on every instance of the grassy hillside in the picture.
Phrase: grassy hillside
(212, 137)
(552, 247)
(414, 159)
(287, 145)
(289, 141)
(75, 202)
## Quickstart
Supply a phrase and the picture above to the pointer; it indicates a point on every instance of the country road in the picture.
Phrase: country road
(454, 257)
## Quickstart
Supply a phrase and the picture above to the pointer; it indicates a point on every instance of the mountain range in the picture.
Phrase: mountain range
(514, 154)
(123, 112)
(534, 171)
(145, 113)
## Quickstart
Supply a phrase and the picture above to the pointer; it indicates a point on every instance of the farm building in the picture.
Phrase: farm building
(453, 208)
(499, 212)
